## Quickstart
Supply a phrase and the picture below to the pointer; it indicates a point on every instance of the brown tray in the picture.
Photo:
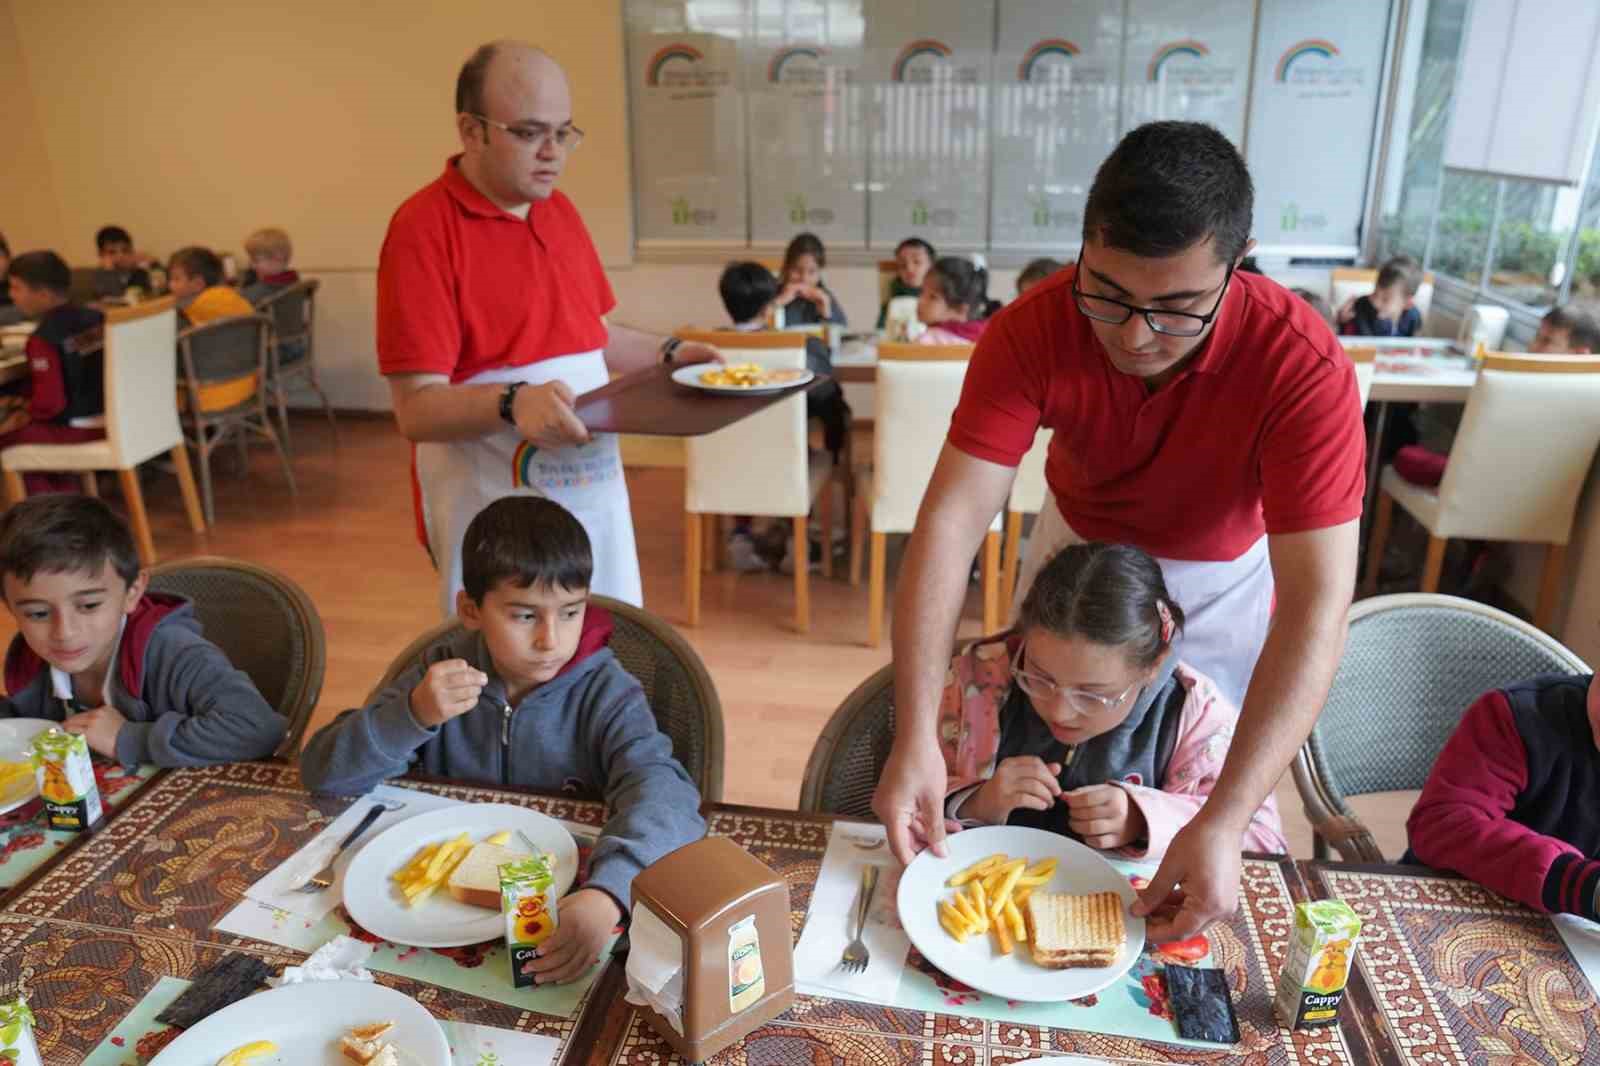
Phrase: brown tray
(649, 403)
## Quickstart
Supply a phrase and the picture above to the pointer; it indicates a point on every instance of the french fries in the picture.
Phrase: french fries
(433, 864)
(989, 899)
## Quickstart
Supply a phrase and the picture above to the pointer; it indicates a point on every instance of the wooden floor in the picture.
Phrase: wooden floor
(348, 539)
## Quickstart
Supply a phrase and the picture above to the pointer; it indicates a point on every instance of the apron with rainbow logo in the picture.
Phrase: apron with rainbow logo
(461, 478)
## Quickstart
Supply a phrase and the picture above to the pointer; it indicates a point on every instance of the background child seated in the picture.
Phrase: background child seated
(748, 292)
(1511, 802)
(913, 258)
(120, 266)
(1036, 272)
(127, 669)
(269, 251)
(952, 303)
(1083, 720)
(529, 695)
(63, 400)
(194, 275)
(1318, 304)
(806, 299)
(1388, 311)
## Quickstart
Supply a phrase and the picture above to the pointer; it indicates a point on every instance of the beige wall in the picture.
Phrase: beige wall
(30, 213)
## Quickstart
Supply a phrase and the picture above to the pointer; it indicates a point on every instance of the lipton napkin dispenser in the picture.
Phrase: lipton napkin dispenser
(711, 955)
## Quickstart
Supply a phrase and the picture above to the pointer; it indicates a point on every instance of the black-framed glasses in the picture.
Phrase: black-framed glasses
(536, 135)
(1169, 323)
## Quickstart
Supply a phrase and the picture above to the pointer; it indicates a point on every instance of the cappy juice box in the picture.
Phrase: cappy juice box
(1311, 986)
(66, 780)
(528, 902)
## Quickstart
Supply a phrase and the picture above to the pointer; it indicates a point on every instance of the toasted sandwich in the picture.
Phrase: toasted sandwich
(476, 880)
(364, 1043)
(1066, 931)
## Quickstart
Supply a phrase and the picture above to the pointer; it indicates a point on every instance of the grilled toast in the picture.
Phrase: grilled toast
(1068, 931)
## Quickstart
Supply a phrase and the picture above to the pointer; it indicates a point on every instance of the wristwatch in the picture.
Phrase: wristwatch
(669, 348)
(508, 400)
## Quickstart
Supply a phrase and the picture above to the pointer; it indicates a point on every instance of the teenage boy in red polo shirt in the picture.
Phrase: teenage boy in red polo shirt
(491, 320)
(1204, 415)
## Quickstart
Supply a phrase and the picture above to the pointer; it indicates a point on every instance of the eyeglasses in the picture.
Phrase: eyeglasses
(1170, 323)
(565, 137)
(1082, 701)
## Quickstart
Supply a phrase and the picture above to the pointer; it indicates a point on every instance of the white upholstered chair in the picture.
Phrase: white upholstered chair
(1346, 282)
(141, 420)
(760, 466)
(918, 388)
(1366, 361)
(1519, 461)
(1028, 492)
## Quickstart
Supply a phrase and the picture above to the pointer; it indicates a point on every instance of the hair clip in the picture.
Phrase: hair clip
(1166, 621)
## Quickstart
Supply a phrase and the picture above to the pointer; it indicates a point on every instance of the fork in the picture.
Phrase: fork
(856, 956)
(323, 878)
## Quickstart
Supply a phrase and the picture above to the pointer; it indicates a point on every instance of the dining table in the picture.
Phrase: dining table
(1446, 972)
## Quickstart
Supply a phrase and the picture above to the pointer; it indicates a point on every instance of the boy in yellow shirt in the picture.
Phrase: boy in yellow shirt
(194, 275)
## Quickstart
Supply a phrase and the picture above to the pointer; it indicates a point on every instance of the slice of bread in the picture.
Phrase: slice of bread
(356, 1049)
(374, 1031)
(1066, 931)
(476, 880)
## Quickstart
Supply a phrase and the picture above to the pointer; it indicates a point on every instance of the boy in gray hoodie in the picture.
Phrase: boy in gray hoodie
(529, 695)
(125, 668)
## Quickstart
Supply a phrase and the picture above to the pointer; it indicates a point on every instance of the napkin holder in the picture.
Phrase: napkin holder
(709, 893)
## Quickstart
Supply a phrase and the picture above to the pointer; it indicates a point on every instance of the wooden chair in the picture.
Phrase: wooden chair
(760, 466)
(292, 359)
(225, 365)
(1412, 665)
(1527, 439)
(887, 270)
(1028, 493)
(918, 388)
(1366, 361)
(267, 626)
(141, 420)
(675, 681)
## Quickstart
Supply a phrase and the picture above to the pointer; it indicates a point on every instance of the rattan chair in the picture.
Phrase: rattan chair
(675, 682)
(1413, 664)
(842, 771)
(293, 358)
(224, 366)
(266, 625)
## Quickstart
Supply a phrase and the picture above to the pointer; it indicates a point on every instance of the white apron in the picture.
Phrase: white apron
(460, 478)
(1226, 605)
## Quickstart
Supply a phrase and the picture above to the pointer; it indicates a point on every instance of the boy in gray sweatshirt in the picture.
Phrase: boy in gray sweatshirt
(125, 668)
(529, 695)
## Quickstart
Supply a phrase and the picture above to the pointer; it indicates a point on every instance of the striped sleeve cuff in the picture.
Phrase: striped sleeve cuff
(1571, 886)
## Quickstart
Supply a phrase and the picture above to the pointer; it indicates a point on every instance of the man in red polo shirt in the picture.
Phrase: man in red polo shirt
(491, 320)
(1206, 416)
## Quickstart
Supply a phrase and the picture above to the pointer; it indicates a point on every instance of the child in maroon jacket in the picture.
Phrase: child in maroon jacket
(1511, 802)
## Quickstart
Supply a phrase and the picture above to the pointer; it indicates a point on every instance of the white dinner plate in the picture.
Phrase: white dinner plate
(375, 902)
(1080, 870)
(690, 375)
(306, 1022)
(16, 734)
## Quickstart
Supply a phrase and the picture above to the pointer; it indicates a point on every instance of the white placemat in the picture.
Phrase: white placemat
(831, 917)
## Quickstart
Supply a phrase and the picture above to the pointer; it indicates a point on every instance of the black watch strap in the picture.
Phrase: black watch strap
(508, 402)
(669, 348)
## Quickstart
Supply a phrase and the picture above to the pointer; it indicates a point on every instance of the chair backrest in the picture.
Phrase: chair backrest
(1486, 323)
(140, 375)
(1412, 665)
(918, 388)
(1366, 361)
(292, 310)
(1346, 282)
(847, 758)
(1547, 405)
(266, 625)
(676, 684)
(1029, 488)
(225, 349)
(757, 466)
(887, 270)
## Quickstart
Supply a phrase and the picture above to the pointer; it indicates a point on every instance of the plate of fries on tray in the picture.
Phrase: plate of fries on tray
(741, 378)
(1022, 914)
(433, 881)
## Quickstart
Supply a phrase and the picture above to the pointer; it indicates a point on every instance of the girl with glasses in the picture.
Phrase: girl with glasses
(1083, 720)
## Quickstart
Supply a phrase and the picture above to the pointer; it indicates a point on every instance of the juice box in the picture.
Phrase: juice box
(1311, 986)
(528, 901)
(66, 780)
(16, 1035)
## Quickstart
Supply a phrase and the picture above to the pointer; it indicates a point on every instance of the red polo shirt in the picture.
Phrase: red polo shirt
(464, 286)
(1260, 433)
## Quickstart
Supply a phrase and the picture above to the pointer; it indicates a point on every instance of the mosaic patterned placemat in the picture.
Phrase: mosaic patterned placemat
(27, 843)
(1449, 972)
